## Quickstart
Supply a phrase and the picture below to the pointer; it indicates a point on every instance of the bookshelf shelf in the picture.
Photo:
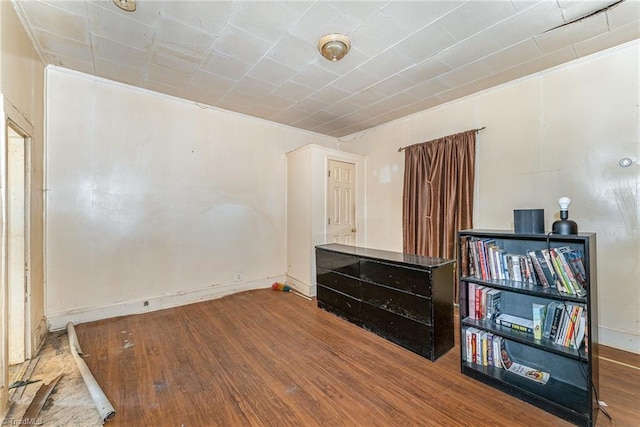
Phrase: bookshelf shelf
(498, 278)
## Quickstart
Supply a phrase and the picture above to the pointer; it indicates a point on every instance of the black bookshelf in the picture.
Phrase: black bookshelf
(571, 391)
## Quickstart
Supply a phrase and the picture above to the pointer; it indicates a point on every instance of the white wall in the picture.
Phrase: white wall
(556, 133)
(151, 198)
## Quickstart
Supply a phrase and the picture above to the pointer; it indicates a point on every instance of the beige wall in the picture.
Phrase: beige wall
(151, 198)
(21, 90)
(557, 133)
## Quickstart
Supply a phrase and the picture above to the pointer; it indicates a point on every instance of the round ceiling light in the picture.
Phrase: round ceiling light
(127, 5)
(334, 46)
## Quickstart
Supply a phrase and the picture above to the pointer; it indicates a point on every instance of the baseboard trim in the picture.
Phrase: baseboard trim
(619, 339)
(58, 321)
(302, 287)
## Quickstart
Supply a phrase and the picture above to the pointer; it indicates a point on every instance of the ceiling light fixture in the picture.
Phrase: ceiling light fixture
(334, 46)
(126, 5)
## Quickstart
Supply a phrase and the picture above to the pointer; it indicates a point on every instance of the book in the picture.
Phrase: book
(557, 321)
(469, 346)
(471, 300)
(536, 375)
(515, 322)
(563, 280)
(537, 267)
(497, 345)
(580, 335)
(574, 263)
(494, 298)
(539, 311)
(549, 318)
(568, 270)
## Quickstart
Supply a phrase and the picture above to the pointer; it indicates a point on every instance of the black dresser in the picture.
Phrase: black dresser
(407, 299)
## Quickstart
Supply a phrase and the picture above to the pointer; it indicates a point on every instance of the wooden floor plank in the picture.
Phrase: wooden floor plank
(273, 359)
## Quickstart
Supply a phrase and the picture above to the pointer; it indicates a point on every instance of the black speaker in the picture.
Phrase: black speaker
(528, 221)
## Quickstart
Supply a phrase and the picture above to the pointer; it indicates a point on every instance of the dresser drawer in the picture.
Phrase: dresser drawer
(339, 303)
(403, 278)
(410, 334)
(409, 305)
(346, 264)
(338, 282)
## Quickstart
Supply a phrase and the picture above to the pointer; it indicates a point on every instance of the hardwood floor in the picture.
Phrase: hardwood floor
(275, 359)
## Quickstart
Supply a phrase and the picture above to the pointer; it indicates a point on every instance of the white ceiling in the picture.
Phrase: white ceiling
(260, 58)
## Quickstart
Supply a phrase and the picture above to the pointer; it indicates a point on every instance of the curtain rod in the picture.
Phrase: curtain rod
(476, 130)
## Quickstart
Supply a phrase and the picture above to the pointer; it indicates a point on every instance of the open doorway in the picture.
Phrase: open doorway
(17, 234)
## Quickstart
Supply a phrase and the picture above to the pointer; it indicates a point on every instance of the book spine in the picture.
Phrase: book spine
(538, 319)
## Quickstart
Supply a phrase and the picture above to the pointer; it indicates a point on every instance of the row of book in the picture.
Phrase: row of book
(483, 348)
(563, 323)
(561, 268)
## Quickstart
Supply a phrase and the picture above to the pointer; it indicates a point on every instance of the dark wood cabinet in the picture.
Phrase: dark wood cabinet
(571, 389)
(407, 299)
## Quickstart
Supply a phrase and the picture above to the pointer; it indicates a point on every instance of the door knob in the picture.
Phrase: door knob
(353, 230)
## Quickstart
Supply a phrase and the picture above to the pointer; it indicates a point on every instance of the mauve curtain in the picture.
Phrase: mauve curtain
(438, 194)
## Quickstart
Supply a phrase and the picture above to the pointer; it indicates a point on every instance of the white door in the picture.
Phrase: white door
(341, 203)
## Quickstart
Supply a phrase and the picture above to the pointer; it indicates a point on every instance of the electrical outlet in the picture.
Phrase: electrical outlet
(145, 304)
(238, 277)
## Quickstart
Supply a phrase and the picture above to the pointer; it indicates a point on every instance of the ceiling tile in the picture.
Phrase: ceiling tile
(426, 70)
(164, 88)
(207, 16)
(425, 43)
(429, 89)
(353, 60)
(470, 50)
(355, 81)
(322, 18)
(147, 11)
(572, 9)
(462, 75)
(109, 50)
(168, 76)
(52, 19)
(226, 67)
(272, 72)
(386, 64)
(115, 26)
(359, 9)
(310, 105)
(329, 95)
(179, 36)
(377, 33)
(59, 45)
(475, 16)
(341, 108)
(71, 63)
(399, 100)
(537, 19)
(413, 15)
(293, 52)
(175, 60)
(314, 76)
(617, 36)
(202, 88)
(119, 72)
(268, 20)
(241, 45)
(255, 87)
(293, 91)
(499, 78)
(547, 61)
(624, 13)
(458, 92)
(569, 34)
(514, 55)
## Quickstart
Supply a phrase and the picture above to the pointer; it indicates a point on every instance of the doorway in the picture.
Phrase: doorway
(341, 203)
(17, 215)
